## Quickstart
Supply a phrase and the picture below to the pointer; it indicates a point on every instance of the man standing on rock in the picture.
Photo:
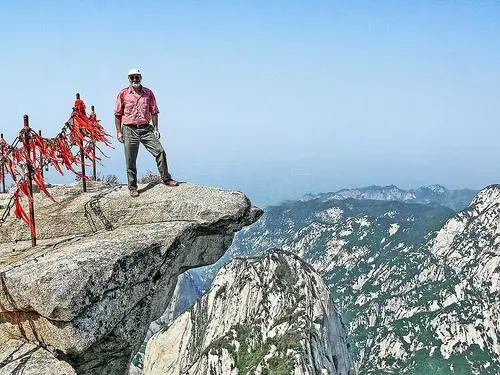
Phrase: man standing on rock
(135, 107)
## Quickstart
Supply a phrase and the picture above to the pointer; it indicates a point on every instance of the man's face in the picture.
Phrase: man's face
(135, 79)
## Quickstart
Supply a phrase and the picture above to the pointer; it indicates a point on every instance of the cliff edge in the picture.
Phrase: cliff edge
(104, 268)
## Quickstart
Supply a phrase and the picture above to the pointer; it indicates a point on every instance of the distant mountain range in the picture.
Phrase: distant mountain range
(455, 199)
(291, 221)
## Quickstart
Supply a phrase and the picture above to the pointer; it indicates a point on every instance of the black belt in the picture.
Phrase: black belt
(137, 125)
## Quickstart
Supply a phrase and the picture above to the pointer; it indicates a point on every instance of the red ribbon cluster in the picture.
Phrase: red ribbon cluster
(37, 152)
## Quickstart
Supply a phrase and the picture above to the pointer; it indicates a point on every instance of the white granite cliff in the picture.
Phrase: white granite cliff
(267, 315)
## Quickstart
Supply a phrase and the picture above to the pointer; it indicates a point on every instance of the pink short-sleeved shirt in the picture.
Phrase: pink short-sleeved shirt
(136, 108)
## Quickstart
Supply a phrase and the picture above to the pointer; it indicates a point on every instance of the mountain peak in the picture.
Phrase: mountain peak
(264, 314)
(436, 188)
(490, 195)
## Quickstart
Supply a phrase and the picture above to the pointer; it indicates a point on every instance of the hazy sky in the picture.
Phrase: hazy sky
(274, 98)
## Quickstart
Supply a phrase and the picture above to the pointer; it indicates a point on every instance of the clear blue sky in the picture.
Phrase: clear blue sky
(274, 98)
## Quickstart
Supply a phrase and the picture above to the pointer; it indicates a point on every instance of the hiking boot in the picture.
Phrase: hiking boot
(134, 193)
(171, 182)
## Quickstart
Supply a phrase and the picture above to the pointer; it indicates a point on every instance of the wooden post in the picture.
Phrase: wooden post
(26, 141)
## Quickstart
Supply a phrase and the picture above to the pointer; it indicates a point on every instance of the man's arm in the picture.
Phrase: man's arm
(153, 109)
(155, 125)
(118, 116)
(155, 121)
(118, 126)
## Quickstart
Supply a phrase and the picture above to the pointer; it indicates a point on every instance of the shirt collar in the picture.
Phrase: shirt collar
(131, 90)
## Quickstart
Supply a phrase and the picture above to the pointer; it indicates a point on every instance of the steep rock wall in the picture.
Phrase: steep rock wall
(267, 315)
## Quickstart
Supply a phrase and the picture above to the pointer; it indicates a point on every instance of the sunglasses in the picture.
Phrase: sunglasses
(135, 77)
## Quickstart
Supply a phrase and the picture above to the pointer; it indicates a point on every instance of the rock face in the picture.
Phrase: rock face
(455, 308)
(189, 288)
(20, 357)
(105, 267)
(266, 315)
(431, 308)
(417, 285)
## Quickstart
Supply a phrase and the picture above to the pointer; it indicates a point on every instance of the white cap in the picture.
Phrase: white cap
(134, 71)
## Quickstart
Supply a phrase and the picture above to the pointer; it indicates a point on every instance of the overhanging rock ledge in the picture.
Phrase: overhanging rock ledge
(105, 266)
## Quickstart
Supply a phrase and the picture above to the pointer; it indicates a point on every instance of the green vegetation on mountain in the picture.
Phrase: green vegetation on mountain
(409, 309)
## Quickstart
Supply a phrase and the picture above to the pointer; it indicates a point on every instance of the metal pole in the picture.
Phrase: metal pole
(41, 156)
(26, 139)
(82, 161)
(93, 116)
(3, 170)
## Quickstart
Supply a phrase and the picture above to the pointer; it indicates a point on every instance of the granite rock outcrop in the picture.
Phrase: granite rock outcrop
(105, 267)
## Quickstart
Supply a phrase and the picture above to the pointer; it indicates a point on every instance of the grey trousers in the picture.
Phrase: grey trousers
(132, 138)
